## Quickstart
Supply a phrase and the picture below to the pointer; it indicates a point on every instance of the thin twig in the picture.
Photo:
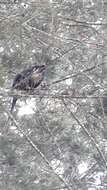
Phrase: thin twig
(49, 95)
(37, 149)
(87, 132)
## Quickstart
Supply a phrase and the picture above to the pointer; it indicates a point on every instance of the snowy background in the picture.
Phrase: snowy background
(56, 138)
